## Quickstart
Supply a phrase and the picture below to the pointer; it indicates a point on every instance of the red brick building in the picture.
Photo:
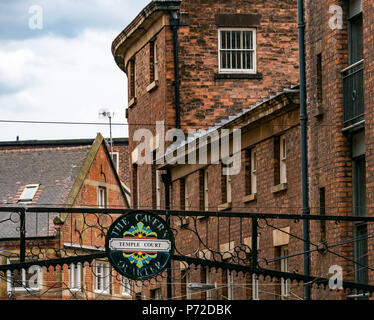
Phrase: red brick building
(78, 174)
(222, 79)
(220, 46)
(339, 43)
(226, 59)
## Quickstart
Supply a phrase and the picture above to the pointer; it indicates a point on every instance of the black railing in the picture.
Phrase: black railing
(353, 93)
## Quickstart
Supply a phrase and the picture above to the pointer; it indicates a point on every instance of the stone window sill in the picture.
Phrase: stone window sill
(220, 76)
(250, 197)
(132, 102)
(225, 206)
(152, 86)
(279, 188)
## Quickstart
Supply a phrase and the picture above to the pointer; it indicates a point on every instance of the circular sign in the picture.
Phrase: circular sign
(139, 245)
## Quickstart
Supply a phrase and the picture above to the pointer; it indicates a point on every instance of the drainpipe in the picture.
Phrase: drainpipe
(304, 146)
(166, 179)
(174, 21)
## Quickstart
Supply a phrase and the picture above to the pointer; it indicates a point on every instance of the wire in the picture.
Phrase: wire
(146, 124)
(198, 208)
(368, 236)
(63, 122)
(328, 250)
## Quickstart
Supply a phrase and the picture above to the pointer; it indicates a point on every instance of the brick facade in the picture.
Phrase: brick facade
(207, 97)
(71, 234)
(331, 162)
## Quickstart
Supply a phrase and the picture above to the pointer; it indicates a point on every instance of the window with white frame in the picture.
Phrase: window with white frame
(285, 284)
(154, 61)
(115, 158)
(237, 50)
(253, 171)
(75, 276)
(255, 293)
(102, 197)
(283, 158)
(126, 288)
(102, 277)
(28, 194)
(24, 279)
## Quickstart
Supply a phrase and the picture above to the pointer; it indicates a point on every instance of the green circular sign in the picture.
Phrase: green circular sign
(139, 245)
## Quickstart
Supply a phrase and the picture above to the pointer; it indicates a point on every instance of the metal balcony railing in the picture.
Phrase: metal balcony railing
(353, 93)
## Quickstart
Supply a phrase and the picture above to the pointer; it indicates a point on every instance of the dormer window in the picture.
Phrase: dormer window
(28, 194)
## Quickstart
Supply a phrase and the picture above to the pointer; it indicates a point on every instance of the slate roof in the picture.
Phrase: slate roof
(55, 169)
(226, 122)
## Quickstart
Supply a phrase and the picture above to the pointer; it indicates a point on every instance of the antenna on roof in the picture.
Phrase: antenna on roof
(105, 113)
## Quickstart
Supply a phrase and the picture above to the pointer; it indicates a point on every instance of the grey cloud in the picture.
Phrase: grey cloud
(65, 18)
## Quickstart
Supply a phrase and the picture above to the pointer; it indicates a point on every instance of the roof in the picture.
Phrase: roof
(231, 120)
(65, 142)
(54, 169)
(138, 26)
(59, 170)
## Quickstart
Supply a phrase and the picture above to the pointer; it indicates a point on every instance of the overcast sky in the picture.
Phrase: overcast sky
(64, 71)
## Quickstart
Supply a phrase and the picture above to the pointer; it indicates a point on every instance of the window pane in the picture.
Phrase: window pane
(106, 277)
(235, 38)
(99, 277)
(239, 59)
(102, 198)
(247, 40)
(233, 42)
(28, 193)
(247, 60)
(75, 276)
(251, 62)
(356, 39)
(234, 62)
(229, 60)
(223, 40)
(224, 59)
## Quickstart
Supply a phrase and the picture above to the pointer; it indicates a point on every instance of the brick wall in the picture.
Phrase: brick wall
(330, 161)
(225, 234)
(100, 174)
(206, 99)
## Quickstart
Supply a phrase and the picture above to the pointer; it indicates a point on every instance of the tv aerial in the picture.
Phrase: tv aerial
(105, 113)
